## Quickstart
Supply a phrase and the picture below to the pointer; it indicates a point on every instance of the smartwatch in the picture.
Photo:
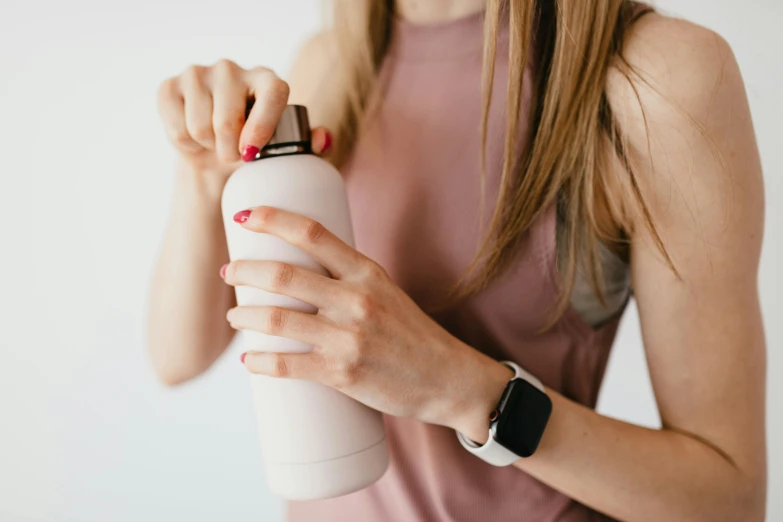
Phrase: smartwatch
(517, 422)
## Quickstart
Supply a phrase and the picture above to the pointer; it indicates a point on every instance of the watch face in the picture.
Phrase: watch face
(524, 412)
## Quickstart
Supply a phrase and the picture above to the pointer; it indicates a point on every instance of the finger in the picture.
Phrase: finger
(198, 106)
(282, 322)
(171, 106)
(321, 141)
(285, 279)
(228, 97)
(311, 236)
(271, 97)
(310, 366)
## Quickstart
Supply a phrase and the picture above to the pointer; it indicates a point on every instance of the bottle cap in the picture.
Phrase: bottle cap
(293, 128)
(292, 133)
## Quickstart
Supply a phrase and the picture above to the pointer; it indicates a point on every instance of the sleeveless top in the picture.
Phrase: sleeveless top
(413, 183)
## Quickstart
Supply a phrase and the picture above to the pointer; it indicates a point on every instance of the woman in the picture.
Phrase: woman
(616, 151)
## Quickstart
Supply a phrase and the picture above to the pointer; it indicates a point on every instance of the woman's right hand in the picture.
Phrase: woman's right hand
(203, 112)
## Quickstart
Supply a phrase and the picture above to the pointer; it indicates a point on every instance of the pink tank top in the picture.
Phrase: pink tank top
(413, 183)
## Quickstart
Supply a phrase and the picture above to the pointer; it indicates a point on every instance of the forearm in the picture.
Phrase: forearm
(187, 329)
(634, 473)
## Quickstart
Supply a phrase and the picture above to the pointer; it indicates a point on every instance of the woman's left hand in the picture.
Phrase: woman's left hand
(372, 342)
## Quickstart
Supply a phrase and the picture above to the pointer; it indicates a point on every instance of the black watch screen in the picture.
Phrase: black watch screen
(521, 416)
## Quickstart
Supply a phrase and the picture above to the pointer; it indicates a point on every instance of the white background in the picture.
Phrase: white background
(86, 433)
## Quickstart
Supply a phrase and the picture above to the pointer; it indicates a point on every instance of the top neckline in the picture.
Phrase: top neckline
(437, 41)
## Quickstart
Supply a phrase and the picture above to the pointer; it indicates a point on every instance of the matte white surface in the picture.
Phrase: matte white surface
(318, 438)
(329, 478)
(86, 433)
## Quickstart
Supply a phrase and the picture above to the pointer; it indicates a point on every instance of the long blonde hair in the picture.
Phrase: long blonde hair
(574, 136)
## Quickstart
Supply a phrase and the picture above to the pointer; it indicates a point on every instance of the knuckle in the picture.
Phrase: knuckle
(312, 231)
(374, 271)
(226, 67)
(279, 90)
(364, 306)
(264, 215)
(193, 74)
(229, 124)
(202, 133)
(234, 270)
(276, 320)
(260, 70)
(168, 89)
(281, 275)
(348, 369)
(354, 345)
(181, 137)
(275, 90)
(280, 367)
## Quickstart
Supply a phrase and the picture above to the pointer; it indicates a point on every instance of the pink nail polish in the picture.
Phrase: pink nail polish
(327, 143)
(223, 271)
(250, 152)
(242, 358)
(241, 216)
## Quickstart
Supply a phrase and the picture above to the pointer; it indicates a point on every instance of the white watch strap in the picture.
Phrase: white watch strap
(521, 373)
(492, 451)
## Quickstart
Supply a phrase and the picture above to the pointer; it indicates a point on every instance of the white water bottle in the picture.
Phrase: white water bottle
(316, 441)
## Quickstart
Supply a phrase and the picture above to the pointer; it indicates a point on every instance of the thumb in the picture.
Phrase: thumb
(321, 140)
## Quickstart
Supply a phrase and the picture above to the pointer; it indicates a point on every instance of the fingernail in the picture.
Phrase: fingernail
(241, 217)
(327, 143)
(223, 271)
(242, 358)
(250, 152)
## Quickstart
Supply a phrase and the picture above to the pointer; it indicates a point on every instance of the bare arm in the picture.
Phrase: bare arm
(203, 113)
(186, 326)
(703, 332)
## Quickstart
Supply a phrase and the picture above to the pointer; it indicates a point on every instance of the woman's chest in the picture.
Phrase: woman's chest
(414, 184)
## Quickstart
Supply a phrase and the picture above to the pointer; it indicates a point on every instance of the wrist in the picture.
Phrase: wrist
(202, 183)
(485, 381)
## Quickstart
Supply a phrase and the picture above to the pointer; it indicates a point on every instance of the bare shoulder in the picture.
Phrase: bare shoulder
(662, 41)
(309, 77)
(675, 62)
(679, 99)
